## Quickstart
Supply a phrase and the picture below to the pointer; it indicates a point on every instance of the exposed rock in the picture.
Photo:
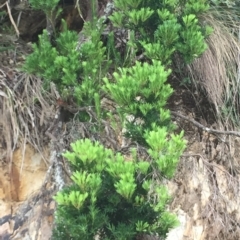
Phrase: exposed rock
(206, 193)
(24, 204)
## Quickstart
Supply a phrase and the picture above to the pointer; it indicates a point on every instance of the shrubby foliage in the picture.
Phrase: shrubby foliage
(110, 196)
(76, 73)
(115, 198)
(142, 92)
(162, 28)
(159, 30)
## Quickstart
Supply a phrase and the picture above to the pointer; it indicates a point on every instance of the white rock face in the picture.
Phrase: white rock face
(178, 233)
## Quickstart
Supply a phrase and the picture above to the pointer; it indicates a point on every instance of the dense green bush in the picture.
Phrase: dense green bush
(161, 28)
(142, 92)
(110, 196)
(76, 73)
(115, 198)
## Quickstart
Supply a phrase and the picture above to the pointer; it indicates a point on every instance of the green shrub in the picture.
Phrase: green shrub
(162, 28)
(115, 198)
(159, 30)
(76, 72)
(47, 6)
(141, 91)
(110, 196)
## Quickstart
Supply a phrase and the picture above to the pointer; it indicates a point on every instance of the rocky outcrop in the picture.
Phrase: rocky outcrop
(26, 208)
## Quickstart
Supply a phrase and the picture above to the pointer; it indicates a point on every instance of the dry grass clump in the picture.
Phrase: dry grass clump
(217, 70)
(216, 73)
(25, 111)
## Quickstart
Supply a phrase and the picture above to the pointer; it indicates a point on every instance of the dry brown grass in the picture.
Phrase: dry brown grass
(25, 112)
(216, 71)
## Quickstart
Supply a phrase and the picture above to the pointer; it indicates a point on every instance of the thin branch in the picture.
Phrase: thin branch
(209, 130)
(10, 16)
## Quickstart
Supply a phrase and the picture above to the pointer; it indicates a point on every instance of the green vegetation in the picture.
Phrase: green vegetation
(110, 196)
(115, 198)
(76, 73)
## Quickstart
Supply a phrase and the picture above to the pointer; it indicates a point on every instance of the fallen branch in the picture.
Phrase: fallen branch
(10, 17)
(209, 130)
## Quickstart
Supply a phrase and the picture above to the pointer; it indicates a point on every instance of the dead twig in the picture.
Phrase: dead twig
(206, 162)
(204, 128)
(79, 10)
(10, 17)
